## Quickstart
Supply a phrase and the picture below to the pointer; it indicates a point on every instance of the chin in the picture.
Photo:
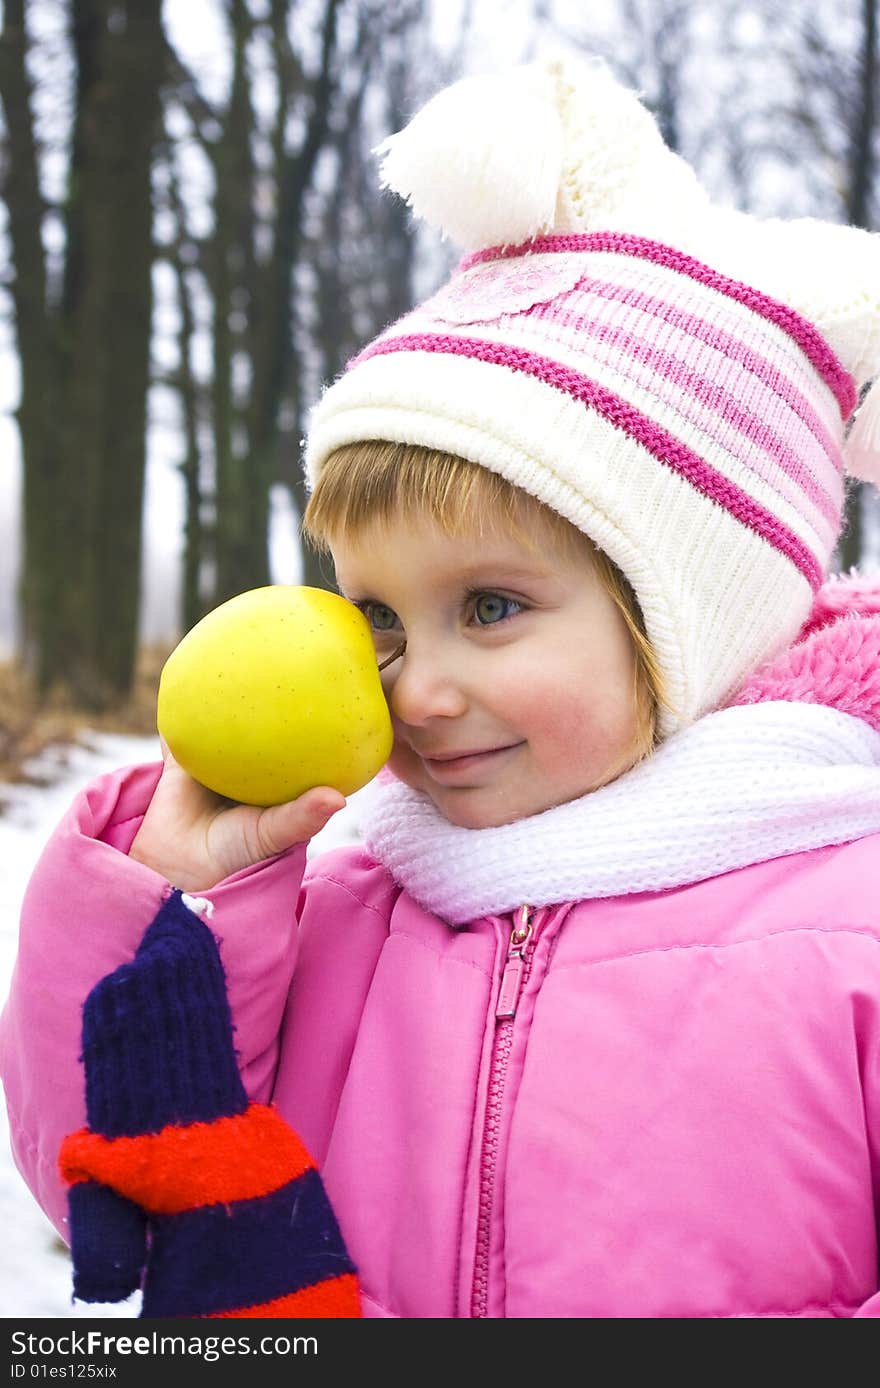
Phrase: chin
(465, 816)
(476, 821)
(493, 816)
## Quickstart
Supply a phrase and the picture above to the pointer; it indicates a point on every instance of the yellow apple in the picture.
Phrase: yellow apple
(276, 691)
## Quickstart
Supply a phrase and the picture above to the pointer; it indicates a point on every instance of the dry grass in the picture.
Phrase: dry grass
(28, 728)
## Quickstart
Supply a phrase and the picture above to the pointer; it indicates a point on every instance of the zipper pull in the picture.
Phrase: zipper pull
(512, 978)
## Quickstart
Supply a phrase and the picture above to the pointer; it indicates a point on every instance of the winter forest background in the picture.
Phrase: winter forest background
(192, 239)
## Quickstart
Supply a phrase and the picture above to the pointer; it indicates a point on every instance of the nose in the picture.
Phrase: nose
(424, 683)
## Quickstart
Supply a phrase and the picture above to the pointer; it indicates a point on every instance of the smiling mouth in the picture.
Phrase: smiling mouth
(462, 761)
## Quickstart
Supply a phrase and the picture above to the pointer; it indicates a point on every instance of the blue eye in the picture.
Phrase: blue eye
(491, 608)
(380, 617)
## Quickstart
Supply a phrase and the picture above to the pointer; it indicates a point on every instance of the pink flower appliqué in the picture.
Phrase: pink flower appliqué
(487, 292)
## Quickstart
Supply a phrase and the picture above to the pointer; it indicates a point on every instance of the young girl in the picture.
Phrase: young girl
(589, 1025)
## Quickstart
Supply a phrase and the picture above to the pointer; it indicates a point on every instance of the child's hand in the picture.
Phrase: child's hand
(195, 838)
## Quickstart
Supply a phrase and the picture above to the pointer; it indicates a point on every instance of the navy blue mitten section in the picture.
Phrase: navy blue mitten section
(179, 1185)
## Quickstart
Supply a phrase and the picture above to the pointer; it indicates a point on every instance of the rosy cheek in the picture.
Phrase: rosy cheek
(549, 716)
(578, 733)
(406, 766)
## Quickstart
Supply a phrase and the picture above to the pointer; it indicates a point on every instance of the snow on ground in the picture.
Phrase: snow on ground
(34, 1265)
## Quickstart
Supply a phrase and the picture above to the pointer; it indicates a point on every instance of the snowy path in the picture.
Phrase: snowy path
(34, 1266)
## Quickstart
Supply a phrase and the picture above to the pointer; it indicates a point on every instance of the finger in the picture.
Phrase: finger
(297, 821)
(171, 762)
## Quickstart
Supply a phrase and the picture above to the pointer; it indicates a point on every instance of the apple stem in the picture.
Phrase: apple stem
(393, 656)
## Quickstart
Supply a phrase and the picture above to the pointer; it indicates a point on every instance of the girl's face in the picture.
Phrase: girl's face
(515, 691)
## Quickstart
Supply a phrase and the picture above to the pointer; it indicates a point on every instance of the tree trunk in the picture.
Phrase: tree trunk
(121, 252)
(858, 209)
(85, 359)
(192, 604)
(37, 413)
(230, 258)
(862, 157)
(275, 357)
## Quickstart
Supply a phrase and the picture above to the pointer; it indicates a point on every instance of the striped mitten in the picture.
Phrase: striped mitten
(179, 1184)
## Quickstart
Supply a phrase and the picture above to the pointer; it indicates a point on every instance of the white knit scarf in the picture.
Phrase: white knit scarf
(739, 786)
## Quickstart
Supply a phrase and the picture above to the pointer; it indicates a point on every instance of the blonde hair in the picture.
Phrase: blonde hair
(362, 483)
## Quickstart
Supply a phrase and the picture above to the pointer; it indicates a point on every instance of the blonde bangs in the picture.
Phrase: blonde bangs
(366, 483)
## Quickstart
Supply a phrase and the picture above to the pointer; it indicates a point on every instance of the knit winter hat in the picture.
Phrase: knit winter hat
(677, 379)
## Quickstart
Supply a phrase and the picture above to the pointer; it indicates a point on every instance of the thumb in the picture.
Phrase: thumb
(296, 821)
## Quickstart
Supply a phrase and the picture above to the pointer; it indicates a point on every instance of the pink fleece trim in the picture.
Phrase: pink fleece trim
(800, 329)
(662, 445)
(836, 659)
(843, 595)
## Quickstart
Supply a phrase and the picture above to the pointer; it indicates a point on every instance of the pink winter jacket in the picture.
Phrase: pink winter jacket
(677, 1113)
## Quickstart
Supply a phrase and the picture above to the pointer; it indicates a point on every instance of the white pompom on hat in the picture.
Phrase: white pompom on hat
(499, 160)
(678, 379)
(501, 186)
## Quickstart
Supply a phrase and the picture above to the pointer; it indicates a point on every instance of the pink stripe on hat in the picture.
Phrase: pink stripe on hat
(807, 337)
(645, 431)
(702, 330)
(722, 406)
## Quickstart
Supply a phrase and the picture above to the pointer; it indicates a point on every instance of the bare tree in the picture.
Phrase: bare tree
(262, 167)
(252, 288)
(367, 261)
(861, 209)
(304, 258)
(83, 344)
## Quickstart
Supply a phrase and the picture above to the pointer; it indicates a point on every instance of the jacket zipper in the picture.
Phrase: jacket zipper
(517, 968)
